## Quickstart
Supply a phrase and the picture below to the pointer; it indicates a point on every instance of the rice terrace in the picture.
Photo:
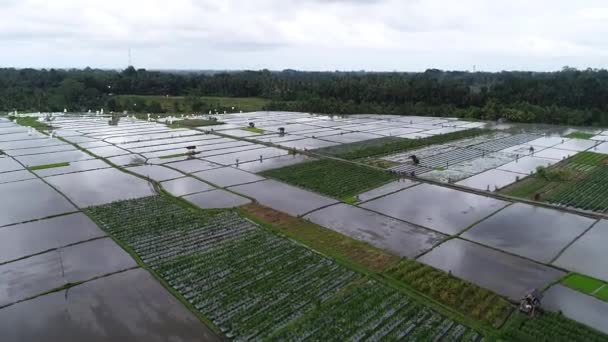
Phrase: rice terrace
(308, 227)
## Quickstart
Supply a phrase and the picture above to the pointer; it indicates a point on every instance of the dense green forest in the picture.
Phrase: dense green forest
(569, 96)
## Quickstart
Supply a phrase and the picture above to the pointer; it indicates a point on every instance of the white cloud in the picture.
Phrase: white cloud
(305, 34)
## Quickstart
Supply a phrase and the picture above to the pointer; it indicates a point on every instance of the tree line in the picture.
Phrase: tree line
(568, 96)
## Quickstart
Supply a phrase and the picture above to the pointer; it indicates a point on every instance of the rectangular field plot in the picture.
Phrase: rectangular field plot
(100, 186)
(588, 193)
(273, 194)
(600, 148)
(441, 209)
(85, 165)
(255, 285)
(587, 285)
(26, 239)
(247, 156)
(548, 141)
(527, 164)
(505, 142)
(502, 273)
(51, 158)
(307, 144)
(533, 232)
(8, 164)
(554, 153)
(30, 200)
(395, 236)
(445, 176)
(155, 172)
(351, 137)
(29, 277)
(523, 150)
(332, 177)
(491, 180)
(134, 305)
(108, 151)
(184, 186)
(385, 189)
(193, 165)
(273, 163)
(444, 160)
(486, 162)
(227, 176)
(15, 176)
(420, 153)
(41, 150)
(588, 255)
(216, 199)
(577, 306)
(577, 145)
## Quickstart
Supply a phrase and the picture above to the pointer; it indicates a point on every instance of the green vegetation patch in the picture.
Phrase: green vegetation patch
(191, 123)
(186, 104)
(525, 188)
(580, 181)
(350, 199)
(587, 285)
(602, 293)
(589, 158)
(579, 135)
(254, 130)
(331, 177)
(177, 155)
(582, 283)
(549, 327)
(374, 312)
(461, 295)
(383, 146)
(30, 121)
(47, 166)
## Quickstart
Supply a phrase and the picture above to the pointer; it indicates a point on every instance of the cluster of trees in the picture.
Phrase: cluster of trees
(568, 96)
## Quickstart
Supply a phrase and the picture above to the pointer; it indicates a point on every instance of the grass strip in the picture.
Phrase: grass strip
(579, 135)
(587, 285)
(169, 156)
(48, 166)
(331, 177)
(254, 130)
(321, 239)
(191, 123)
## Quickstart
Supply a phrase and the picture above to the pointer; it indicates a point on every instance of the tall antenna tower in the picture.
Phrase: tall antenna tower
(130, 61)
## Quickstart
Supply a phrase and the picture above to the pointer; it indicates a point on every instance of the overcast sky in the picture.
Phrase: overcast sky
(383, 35)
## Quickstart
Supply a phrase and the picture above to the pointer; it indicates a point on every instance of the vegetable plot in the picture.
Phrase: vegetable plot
(374, 312)
(466, 297)
(331, 177)
(591, 193)
(255, 285)
(550, 327)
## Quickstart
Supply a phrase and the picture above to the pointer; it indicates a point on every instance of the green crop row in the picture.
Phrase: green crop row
(589, 158)
(550, 327)
(331, 177)
(385, 146)
(465, 297)
(373, 312)
(255, 285)
(590, 193)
